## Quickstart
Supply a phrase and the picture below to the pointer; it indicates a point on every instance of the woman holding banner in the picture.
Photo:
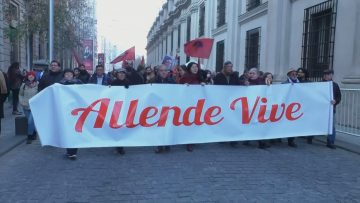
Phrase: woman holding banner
(68, 79)
(255, 79)
(192, 76)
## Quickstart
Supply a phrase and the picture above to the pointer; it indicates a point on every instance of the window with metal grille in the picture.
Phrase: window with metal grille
(319, 38)
(252, 50)
(188, 28)
(202, 20)
(251, 4)
(220, 51)
(221, 8)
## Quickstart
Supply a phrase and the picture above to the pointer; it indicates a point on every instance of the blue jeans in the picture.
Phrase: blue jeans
(331, 137)
(30, 119)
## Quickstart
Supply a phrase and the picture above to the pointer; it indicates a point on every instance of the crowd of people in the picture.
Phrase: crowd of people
(25, 85)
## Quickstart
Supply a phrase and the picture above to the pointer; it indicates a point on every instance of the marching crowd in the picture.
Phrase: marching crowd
(25, 85)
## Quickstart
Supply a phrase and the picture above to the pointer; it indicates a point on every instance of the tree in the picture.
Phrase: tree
(72, 23)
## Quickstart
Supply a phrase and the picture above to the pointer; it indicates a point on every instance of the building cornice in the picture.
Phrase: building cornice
(255, 13)
(219, 30)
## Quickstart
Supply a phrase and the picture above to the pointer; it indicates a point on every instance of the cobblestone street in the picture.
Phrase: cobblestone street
(212, 173)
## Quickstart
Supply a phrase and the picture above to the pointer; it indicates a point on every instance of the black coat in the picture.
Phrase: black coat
(84, 76)
(337, 94)
(3, 96)
(50, 78)
(71, 82)
(134, 77)
(118, 82)
(168, 80)
(220, 79)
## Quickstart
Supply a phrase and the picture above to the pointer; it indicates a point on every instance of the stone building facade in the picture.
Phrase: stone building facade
(271, 35)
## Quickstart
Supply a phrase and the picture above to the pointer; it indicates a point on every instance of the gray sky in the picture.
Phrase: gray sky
(127, 22)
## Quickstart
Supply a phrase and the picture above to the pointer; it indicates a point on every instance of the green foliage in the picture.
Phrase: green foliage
(72, 22)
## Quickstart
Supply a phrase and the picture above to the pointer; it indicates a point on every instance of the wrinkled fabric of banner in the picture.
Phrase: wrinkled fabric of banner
(81, 116)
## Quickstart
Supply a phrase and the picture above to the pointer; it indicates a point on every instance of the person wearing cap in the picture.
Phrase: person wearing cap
(120, 80)
(163, 78)
(291, 78)
(68, 79)
(328, 76)
(227, 77)
(27, 90)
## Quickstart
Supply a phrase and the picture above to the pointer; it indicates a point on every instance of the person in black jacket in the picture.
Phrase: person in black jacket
(120, 80)
(227, 77)
(163, 78)
(4, 93)
(328, 76)
(68, 79)
(15, 80)
(133, 76)
(84, 76)
(54, 75)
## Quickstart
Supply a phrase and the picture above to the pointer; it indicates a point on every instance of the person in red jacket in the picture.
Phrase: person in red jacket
(191, 77)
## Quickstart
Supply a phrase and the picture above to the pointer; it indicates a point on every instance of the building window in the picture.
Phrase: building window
(319, 38)
(14, 11)
(252, 50)
(166, 45)
(188, 28)
(14, 50)
(179, 36)
(221, 8)
(202, 20)
(172, 43)
(220, 52)
(251, 4)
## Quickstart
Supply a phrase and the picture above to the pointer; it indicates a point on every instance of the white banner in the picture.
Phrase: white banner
(79, 116)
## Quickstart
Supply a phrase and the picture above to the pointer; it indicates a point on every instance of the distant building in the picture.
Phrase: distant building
(271, 35)
(33, 48)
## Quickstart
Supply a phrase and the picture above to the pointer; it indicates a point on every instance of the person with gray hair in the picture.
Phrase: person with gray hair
(255, 79)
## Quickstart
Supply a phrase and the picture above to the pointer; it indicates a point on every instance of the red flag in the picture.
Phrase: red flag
(200, 48)
(126, 55)
(142, 61)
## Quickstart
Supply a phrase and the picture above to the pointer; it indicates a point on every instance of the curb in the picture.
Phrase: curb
(12, 146)
(341, 144)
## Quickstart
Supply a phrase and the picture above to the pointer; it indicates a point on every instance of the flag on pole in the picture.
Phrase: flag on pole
(200, 48)
(126, 55)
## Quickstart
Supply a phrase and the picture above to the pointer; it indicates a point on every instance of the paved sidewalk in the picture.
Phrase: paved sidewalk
(8, 139)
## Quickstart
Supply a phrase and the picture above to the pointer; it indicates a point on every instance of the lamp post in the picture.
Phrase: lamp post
(51, 29)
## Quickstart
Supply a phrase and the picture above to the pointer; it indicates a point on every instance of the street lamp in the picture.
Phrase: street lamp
(51, 29)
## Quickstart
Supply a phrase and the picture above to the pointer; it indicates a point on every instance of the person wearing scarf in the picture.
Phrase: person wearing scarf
(27, 90)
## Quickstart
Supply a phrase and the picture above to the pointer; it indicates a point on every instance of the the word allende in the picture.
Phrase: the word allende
(160, 116)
